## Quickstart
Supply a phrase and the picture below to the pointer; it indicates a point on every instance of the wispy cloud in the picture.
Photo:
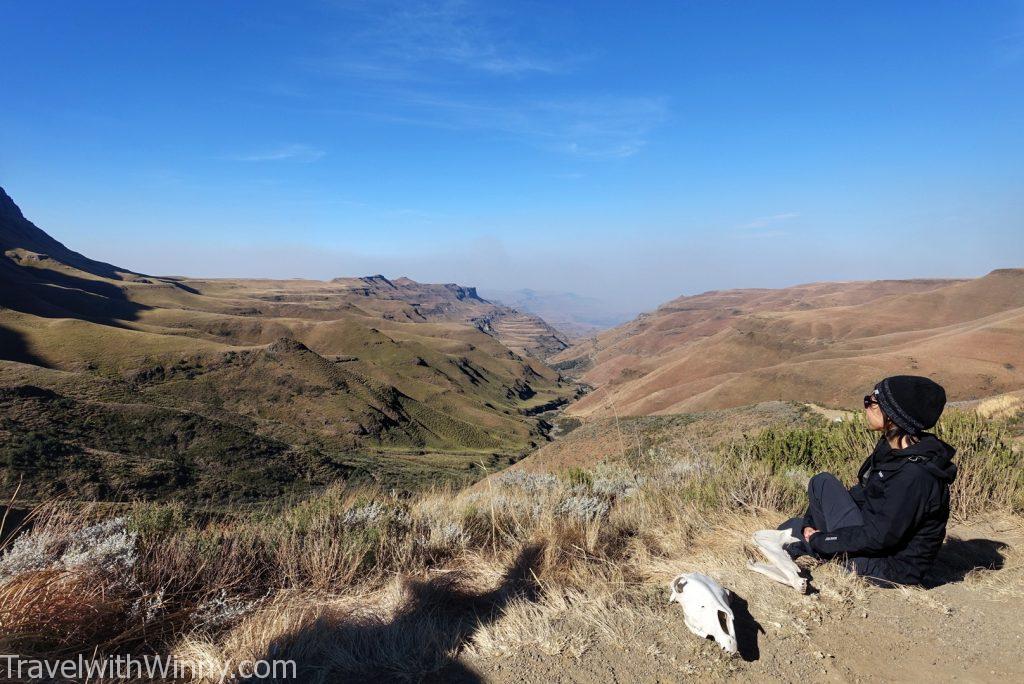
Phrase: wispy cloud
(761, 234)
(764, 227)
(403, 38)
(765, 221)
(422, 63)
(606, 127)
(295, 152)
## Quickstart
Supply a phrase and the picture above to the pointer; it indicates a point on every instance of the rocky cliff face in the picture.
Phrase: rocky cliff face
(523, 333)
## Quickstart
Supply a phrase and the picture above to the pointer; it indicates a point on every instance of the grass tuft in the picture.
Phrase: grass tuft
(352, 579)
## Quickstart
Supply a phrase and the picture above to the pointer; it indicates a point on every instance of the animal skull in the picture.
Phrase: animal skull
(706, 610)
(781, 568)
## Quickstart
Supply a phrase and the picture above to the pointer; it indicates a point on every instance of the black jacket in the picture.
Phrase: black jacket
(903, 495)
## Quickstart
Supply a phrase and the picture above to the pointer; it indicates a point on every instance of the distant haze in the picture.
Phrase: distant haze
(570, 313)
(630, 278)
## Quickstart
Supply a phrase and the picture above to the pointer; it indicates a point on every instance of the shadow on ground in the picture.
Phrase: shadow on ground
(13, 521)
(14, 348)
(421, 640)
(747, 628)
(958, 557)
(54, 294)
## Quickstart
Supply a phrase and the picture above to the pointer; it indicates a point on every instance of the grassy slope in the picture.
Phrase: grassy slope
(398, 381)
(825, 342)
(538, 574)
(405, 397)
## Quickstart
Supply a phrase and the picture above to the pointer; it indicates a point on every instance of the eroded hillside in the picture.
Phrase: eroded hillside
(394, 380)
(824, 342)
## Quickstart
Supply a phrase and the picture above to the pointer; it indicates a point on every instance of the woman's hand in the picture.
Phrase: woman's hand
(808, 531)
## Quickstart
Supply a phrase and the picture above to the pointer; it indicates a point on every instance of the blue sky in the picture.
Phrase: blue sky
(630, 151)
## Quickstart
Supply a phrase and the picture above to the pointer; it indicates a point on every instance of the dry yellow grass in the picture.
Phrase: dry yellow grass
(54, 610)
(822, 342)
(1002, 406)
(353, 583)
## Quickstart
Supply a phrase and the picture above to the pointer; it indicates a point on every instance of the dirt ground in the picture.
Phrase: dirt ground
(969, 628)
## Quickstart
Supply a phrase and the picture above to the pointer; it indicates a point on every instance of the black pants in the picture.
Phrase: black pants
(831, 507)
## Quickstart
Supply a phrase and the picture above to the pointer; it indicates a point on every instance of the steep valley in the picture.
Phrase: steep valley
(240, 389)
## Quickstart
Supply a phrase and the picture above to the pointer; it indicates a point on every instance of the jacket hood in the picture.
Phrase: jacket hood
(935, 455)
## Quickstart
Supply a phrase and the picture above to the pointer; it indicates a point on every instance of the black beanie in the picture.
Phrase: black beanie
(913, 402)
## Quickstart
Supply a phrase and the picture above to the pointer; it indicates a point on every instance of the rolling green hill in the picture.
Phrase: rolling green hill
(116, 384)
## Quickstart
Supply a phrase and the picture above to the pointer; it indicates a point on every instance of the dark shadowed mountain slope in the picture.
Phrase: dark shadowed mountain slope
(25, 240)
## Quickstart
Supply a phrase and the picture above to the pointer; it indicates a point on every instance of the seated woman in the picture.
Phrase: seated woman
(890, 525)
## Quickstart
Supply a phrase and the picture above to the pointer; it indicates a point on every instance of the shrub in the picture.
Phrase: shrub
(583, 508)
(526, 481)
(990, 473)
(578, 477)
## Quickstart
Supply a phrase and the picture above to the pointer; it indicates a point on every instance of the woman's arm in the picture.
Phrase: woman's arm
(857, 494)
(888, 516)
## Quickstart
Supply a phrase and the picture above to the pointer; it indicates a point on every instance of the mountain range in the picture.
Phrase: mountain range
(826, 343)
(115, 383)
(151, 384)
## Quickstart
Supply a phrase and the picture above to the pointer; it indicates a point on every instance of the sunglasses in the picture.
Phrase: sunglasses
(869, 400)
